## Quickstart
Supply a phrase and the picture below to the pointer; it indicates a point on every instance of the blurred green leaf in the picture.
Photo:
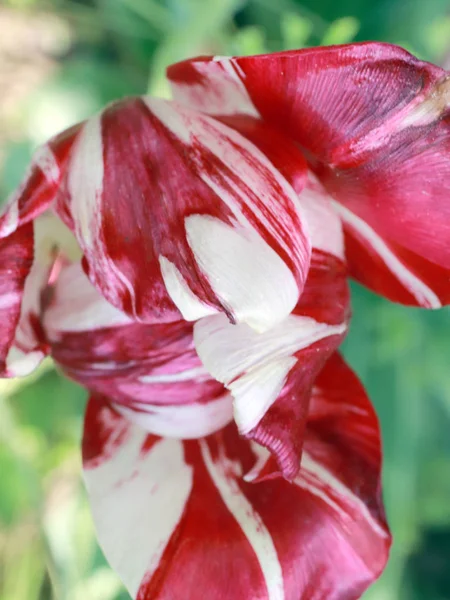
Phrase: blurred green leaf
(295, 30)
(341, 31)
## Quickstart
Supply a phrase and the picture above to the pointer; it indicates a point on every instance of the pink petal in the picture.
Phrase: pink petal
(179, 215)
(176, 517)
(372, 120)
(151, 372)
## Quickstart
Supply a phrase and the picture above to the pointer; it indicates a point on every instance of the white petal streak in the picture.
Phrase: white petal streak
(183, 297)
(46, 161)
(319, 481)
(185, 421)
(225, 93)
(20, 364)
(196, 373)
(228, 351)
(324, 224)
(239, 264)
(223, 473)
(78, 306)
(256, 391)
(85, 183)
(423, 294)
(127, 492)
(259, 187)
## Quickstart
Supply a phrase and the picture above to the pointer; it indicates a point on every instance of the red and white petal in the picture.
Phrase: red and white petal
(16, 259)
(40, 185)
(314, 205)
(270, 375)
(174, 517)
(179, 215)
(326, 98)
(374, 124)
(151, 372)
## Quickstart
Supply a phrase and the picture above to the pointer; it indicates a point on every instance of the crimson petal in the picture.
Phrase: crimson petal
(174, 517)
(374, 124)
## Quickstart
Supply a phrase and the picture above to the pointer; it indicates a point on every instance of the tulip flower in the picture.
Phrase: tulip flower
(187, 262)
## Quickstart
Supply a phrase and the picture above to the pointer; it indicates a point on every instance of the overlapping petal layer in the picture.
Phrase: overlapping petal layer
(151, 372)
(180, 216)
(270, 375)
(373, 122)
(177, 517)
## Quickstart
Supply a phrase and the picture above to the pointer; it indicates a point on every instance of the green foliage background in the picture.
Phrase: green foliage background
(95, 51)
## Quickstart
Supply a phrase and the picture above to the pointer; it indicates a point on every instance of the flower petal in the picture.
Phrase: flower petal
(151, 372)
(179, 215)
(174, 517)
(270, 375)
(373, 122)
(16, 259)
(41, 183)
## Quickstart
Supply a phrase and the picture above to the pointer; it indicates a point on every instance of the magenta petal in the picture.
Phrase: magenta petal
(174, 517)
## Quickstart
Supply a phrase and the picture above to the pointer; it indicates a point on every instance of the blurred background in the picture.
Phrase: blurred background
(61, 60)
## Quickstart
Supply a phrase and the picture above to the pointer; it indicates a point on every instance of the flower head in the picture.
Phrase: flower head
(196, 283)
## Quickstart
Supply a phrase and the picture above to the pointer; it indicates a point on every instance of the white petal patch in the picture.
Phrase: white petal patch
(224, 474)
(85, 184)
(228, 351)
(421, 292)
(253, 366)
(224, 94)
(324, 224)
(188, 421)
(78, 306)
(137, 500)
(196, 373)
(256, 391)
(20, 364)
(247, 275)
(190, 307)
